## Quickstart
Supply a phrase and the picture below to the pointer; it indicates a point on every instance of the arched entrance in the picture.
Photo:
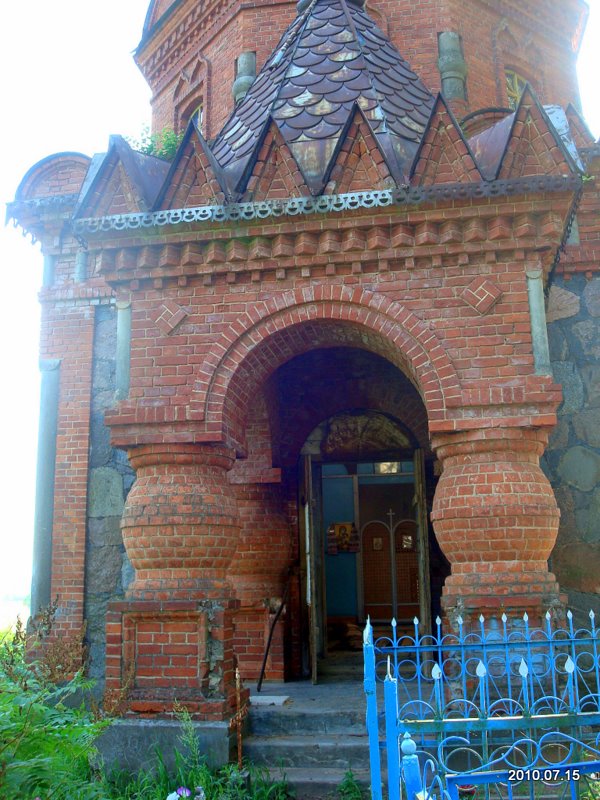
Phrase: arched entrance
(364, 479)
(270, 382)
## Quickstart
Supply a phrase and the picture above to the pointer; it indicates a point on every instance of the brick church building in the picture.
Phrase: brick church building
(343, 351)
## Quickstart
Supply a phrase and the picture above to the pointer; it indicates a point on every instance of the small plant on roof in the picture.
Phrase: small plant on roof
(162, 144)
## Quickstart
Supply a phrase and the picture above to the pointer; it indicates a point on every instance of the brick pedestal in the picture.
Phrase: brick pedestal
(163, 652)
(172, 640)
(496, 519)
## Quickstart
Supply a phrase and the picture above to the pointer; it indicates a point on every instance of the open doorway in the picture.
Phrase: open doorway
(366, 538)
(371, 559)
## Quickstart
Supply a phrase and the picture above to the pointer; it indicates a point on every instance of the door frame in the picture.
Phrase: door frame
(313, 553)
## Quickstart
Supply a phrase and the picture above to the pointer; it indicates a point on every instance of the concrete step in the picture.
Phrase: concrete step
(269, 721)
(318, 783)
(333, 751)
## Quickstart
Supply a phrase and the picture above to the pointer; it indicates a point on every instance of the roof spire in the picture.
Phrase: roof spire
(332, 58)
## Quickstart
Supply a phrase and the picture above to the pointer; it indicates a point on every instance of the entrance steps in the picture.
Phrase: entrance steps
(315, 736)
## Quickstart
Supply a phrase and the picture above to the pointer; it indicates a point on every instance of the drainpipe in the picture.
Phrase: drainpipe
(123, 355)
(48, 273)
(245, 72)
(537, 314)
(81, 265)
(44, 491)
(452, 66)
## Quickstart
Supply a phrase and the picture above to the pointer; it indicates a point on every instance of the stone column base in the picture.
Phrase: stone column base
(165, 653)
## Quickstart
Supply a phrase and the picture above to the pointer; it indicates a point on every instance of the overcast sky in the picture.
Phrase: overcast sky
(68, 82)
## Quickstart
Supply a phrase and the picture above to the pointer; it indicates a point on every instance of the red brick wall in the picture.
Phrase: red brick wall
(424, 263)
(67, 334)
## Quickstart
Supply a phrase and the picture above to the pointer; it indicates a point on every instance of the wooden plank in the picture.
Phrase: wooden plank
(422, 544)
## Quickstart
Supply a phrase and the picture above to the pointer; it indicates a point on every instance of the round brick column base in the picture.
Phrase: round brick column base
(496, 519)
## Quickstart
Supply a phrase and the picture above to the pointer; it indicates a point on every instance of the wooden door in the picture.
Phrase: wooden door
(378, 573)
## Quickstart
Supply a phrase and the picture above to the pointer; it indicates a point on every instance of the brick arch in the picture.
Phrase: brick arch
(279, 328)
(57, 174)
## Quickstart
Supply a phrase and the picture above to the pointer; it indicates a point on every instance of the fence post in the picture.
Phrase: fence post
(411, 772)
(370, 687)
(390, 696)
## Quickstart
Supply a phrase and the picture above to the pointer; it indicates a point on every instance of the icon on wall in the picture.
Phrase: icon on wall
(342, 537)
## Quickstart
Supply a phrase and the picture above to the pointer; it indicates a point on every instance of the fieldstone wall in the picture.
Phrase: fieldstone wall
(572, 460)
(108, 571)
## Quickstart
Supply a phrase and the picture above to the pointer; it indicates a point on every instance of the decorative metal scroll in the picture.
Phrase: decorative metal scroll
(555, 766)
(483, 693)
(325, 204)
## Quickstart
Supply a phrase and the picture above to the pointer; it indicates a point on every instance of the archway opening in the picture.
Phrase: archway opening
(349, 433)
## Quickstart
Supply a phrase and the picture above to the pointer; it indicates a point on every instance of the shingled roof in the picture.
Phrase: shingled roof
(332, 59)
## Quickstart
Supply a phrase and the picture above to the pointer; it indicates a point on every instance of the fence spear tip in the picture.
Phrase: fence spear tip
(569, 665)
(523, 669)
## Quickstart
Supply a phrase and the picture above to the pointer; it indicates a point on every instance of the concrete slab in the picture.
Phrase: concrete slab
(131, 744)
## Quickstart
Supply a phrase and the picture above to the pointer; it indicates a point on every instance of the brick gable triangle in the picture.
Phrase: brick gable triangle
(113, 190)
(276, 174)
(192, 179)
(124, 182)
(533, 147)
(444, 155)
(358, 163)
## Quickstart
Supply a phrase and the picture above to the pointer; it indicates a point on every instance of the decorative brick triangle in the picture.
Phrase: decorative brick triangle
(359, 164)
(533, 147)
(444, 155)
(113, 191)
(580, 132)
(192, 181)
(276, 174)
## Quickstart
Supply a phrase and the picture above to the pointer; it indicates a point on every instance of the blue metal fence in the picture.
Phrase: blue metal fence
(555, 766)
(468, 695)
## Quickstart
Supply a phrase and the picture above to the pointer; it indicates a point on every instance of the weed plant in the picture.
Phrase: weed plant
(45, 742)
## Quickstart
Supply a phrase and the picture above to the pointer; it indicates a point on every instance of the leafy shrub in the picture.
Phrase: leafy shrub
(45, 743)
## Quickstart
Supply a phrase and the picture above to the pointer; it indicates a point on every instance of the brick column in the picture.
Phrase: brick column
(172, 638)
(180, 523)
(496, 519)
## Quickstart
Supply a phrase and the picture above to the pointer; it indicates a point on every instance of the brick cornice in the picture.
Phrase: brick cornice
(378, 242)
